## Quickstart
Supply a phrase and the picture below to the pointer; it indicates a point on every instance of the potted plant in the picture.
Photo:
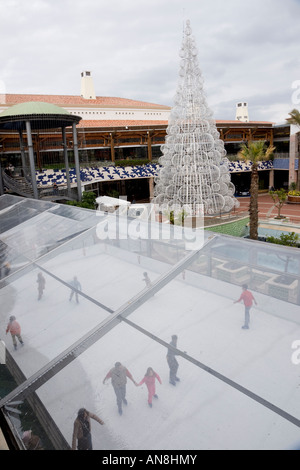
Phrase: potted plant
(294, 197)
(279, 198)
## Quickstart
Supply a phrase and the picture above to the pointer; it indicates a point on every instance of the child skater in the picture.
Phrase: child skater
(15, 330)
(149, 380)
(147, 281)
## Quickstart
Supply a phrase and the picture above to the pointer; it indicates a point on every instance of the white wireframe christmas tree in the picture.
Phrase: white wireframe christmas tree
(194, 168)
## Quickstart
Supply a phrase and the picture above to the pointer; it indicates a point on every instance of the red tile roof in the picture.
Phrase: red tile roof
(136, 123)
(119, 123)
(105, 102)
(222, 121)
(68, 100)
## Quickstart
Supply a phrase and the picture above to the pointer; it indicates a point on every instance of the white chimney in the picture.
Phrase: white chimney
(242, 113)
(87, 86)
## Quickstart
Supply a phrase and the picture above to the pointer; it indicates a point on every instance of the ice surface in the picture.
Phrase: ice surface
(201, 412)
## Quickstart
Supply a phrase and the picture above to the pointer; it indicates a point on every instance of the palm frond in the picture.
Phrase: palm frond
(294, 117)
(256, 151)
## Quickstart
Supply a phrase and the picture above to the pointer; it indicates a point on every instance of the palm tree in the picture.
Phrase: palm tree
(294, 119)
(255, 152)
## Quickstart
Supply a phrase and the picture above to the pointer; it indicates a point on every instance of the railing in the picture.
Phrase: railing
(18, 185)
(280, 155)
(59, 193)
(22, 185)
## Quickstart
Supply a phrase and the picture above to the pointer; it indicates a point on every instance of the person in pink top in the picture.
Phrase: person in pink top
(248, 299)
(15, 330)
(149, 380)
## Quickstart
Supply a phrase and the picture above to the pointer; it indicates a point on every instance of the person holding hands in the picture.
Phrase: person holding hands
(149, 380)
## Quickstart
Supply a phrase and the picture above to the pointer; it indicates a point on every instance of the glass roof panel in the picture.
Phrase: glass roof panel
(51, 320)
(238, 389)
(74, 213)
(43, 233)
(8, 200)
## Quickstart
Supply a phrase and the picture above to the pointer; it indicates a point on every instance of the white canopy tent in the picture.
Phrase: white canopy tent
(111, 204)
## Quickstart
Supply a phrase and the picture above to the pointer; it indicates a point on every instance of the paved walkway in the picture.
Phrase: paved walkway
(288, 227)
(267, 209)
(267, 212)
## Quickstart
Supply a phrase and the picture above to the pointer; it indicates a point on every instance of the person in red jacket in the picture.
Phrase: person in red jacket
(248, 299)
(15, 330)
(149, 380)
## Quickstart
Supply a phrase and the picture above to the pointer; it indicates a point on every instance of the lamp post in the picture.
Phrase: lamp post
(31, 160)
(76, 157)
(65, 147)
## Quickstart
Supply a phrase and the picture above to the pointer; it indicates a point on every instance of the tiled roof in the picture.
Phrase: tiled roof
(105, 102)
(244, 124)
(120, 123)
(124, 123)
(68, 100)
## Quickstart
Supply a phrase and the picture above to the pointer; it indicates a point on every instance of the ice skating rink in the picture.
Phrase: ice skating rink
(202, 411)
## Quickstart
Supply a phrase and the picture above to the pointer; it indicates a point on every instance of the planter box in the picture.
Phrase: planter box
(232, 272)
(201, 265)
(283, 288)
(294, 199)
(259, 280)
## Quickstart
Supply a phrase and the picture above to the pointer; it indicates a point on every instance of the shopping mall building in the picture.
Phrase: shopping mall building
(117, 133)
(248, 380)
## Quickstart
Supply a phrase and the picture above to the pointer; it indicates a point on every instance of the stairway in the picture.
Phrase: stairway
(18, 185)
(22, 186)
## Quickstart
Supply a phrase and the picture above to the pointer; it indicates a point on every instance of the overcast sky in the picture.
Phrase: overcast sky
(248, 51)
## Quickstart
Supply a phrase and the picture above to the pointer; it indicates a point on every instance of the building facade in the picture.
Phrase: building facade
(121, 131)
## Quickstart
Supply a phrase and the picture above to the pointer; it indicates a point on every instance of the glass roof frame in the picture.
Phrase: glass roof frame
(212, 244)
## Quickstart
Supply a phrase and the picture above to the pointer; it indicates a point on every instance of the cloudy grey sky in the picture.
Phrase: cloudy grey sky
(248, 51)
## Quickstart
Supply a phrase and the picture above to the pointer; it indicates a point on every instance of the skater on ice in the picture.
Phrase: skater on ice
(147, 281)
(14, 329)
(248, 299)
(172, 361)
(118, 376)
(41, 285)
(76, 286)
(149, 380)
(82, 430)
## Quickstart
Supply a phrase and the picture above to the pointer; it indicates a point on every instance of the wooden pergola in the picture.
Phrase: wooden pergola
(234, 131)
(132, 135)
